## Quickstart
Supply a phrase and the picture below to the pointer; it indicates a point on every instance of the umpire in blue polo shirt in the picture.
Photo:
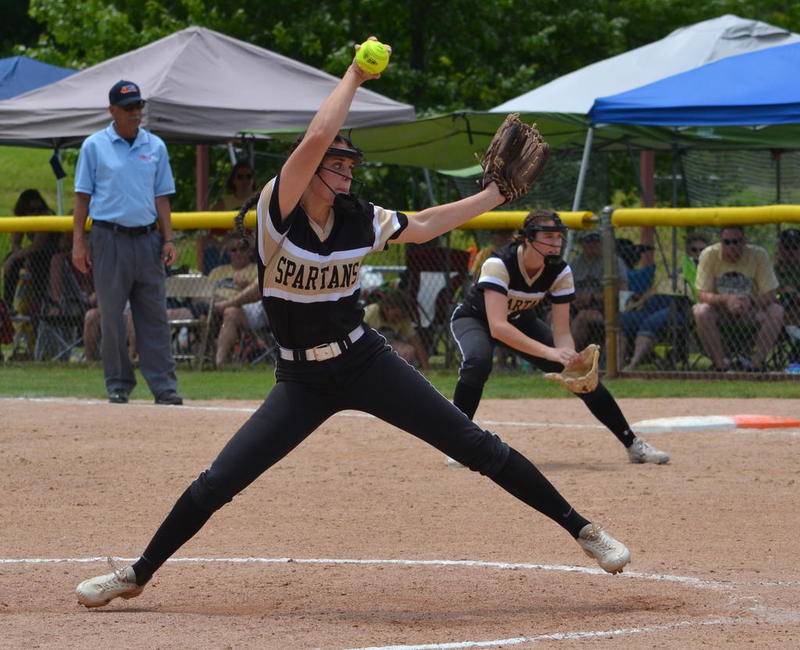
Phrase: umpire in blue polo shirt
(123, 179)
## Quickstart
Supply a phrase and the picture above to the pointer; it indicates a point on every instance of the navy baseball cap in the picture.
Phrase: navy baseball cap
(124, 93)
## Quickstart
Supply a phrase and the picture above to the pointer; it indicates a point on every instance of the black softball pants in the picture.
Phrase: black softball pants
(368, 377)
(476, 346)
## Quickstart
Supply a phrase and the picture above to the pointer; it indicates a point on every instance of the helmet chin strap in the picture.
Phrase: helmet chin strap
(319, 176)
(549, 258)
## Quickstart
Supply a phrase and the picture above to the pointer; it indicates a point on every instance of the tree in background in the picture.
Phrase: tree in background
(447, 55)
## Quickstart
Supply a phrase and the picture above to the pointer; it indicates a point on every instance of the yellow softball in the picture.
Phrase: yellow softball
(373, 57)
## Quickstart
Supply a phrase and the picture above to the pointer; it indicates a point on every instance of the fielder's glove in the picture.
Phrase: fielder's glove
(583, 375)
(515, 158)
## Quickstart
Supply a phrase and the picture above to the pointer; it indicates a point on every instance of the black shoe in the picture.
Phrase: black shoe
(170, 399)
(118, 397)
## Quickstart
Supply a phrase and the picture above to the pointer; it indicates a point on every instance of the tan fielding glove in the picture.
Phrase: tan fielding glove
(582, 376)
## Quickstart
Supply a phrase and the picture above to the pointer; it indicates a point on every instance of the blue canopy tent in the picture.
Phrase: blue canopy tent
(748, 101)
(756, 89)
(19, 74)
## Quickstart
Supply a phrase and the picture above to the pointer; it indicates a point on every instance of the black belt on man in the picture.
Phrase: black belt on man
(131, 231)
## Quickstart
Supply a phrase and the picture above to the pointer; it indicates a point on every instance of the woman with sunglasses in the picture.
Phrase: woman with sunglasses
(500, 307)
(239, 186)
(312, 236)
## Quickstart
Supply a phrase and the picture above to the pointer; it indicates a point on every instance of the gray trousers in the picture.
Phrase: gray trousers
(126, 269)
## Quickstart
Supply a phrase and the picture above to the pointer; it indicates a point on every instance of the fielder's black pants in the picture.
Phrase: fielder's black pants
(368, 377)
(476, 346)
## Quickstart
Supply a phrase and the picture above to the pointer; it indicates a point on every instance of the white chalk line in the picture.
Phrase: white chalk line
(689, 581)
(563, 636)
(794, 433)
(248, 410)
(761, 612)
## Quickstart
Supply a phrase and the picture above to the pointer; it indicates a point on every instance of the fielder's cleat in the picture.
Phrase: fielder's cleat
(118, 397)
(611, 554)
(99, 591)
(643, 452)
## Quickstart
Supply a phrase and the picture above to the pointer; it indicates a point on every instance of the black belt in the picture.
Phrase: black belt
(131, 231)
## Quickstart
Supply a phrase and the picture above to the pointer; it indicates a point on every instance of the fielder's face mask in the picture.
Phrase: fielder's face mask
(342, 202)
(529, 233)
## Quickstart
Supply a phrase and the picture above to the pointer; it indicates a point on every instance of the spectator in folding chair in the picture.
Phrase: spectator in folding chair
(241, 313)
(25, 272)
(239, 187)
(646, 320)
(390, 315)
(70, 296)
(588, 321)
(648, 317)
(737, 287)
(36, 255)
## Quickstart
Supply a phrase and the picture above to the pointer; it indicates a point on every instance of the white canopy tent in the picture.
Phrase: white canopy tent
(684, 49)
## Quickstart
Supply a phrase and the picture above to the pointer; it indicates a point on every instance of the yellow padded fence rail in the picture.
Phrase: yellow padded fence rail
(718, 217)
(505, 220)
(498, 220)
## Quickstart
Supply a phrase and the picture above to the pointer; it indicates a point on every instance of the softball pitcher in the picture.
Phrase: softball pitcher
(312, 236)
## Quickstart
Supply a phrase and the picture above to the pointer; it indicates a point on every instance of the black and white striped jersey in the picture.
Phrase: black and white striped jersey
(309, 277)
(505, 272)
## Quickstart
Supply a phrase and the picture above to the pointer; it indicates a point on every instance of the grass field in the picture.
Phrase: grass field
(55, 380)
(22, 168)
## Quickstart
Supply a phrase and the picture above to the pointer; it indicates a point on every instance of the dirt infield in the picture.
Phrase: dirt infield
(391, 548)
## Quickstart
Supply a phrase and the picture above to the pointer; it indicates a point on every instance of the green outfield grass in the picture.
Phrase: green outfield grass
(22, 168)
(53, 380)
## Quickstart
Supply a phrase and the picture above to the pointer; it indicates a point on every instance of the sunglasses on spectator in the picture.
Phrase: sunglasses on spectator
(732, 242)
(133, 107)
(697, 249)
(243, 177)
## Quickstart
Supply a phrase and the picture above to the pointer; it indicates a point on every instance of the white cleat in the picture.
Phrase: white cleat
(611, 554)
(643, 452)
(101, 590)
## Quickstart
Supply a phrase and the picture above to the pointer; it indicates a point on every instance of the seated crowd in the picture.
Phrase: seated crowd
(729, 292)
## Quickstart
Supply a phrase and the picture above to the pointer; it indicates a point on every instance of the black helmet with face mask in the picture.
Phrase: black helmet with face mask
(537, 221)
(342, 147)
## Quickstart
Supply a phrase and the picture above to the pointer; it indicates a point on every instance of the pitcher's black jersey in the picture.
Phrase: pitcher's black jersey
(309, 276)
(504, 272)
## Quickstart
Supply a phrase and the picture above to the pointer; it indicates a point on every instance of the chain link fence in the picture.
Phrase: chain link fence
(49, 310)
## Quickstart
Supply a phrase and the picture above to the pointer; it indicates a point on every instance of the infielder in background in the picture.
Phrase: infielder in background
(312, 236)
(123, 179)
(499, 307)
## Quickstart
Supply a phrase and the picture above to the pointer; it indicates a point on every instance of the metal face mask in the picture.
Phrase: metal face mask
(346, 203)
(530, 236)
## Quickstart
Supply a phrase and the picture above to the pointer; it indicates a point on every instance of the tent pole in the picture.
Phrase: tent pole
(429, 183)
(576, 202)
(201, 177)
(58, 170)
(675, 154)
(231, 154)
